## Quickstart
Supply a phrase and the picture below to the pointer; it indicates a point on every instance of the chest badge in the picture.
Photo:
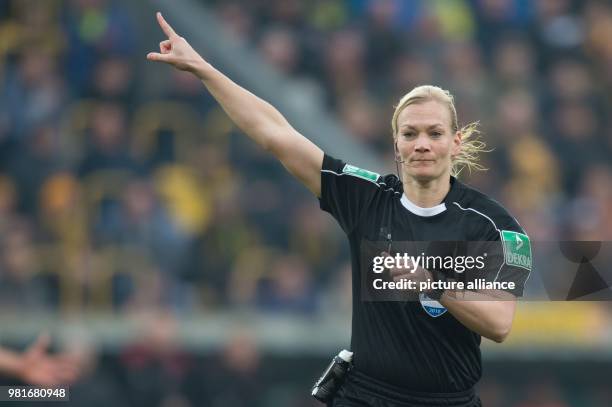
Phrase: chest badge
(431, 307)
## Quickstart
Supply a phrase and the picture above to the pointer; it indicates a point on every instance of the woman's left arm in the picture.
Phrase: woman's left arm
(489, 315)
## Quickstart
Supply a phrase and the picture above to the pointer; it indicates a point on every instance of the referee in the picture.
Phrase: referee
(416, 353)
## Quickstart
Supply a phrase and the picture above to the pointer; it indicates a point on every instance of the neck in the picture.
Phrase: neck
(426, 194)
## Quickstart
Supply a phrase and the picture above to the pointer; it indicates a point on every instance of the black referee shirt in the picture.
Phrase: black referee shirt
(416, 345)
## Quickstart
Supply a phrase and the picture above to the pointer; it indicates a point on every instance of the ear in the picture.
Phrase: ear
(456, 144)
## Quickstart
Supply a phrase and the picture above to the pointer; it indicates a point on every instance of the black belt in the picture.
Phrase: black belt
(397, 394)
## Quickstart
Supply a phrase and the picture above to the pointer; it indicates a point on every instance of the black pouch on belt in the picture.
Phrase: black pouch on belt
(330, 381)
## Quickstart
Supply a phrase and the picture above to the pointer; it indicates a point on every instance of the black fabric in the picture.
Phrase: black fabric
(399, 343)
(359, 390)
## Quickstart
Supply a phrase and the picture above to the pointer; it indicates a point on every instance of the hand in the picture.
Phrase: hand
(417, 275)
(175, 51)
(38, 368)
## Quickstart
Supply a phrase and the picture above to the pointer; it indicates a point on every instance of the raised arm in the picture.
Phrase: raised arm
(254, 116)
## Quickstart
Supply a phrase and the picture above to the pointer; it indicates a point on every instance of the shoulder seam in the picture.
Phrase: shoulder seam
(352, 175)
(478, 212)
(378, 184)
(496, 228)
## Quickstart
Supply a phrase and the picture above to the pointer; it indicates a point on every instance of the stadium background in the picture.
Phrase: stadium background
(182, 263)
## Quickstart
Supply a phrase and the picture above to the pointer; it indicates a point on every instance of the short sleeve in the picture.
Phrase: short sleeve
(511, 249)
(346, 191)
(517, 263)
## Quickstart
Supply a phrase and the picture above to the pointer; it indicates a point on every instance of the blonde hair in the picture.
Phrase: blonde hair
(471, 144)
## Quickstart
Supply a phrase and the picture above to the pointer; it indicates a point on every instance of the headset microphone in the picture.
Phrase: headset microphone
(398, 159)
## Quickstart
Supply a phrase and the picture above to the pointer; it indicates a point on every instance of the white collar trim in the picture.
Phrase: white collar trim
(417, 210)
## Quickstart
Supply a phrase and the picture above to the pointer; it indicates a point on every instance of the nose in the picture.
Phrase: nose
(422, 144)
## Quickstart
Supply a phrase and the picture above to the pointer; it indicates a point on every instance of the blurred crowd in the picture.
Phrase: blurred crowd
(116, 195)
(535, 74)
(156, 370)
(115, 199)
(123, 191)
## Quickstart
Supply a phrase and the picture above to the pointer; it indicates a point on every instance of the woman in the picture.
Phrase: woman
(408, 354)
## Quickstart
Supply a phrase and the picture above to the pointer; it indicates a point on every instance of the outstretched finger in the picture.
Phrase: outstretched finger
(165, 26)
(156, 56)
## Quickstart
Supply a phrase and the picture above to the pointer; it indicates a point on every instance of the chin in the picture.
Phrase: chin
(424, 174)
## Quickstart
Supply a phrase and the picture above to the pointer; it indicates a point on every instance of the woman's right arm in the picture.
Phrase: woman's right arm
(254, 116)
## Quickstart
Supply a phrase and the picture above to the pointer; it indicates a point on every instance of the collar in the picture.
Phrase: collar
(434, 210)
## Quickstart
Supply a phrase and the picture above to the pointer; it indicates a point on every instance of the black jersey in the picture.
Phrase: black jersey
(415, 345)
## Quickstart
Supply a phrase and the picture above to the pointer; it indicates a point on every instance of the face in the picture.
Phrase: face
(425, 141)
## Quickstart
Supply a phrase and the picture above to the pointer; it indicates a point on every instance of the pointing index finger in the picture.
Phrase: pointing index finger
(165, 26)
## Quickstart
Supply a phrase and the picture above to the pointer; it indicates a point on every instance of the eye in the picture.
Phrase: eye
(436, 134)
(409, 134)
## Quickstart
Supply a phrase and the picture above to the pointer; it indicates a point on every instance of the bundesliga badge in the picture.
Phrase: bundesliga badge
(517, 249)
(432, 307)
